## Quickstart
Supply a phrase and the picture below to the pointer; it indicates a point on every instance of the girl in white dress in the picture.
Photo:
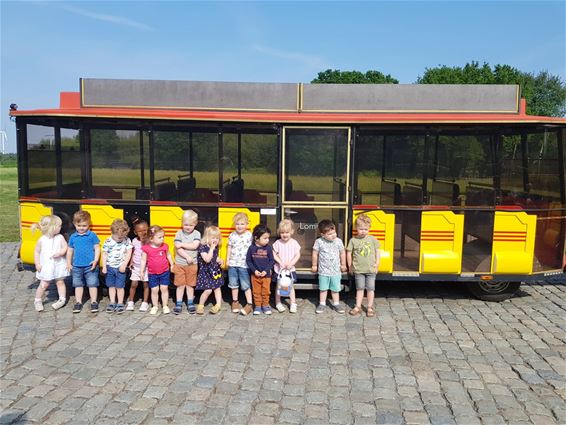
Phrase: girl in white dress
(50, 261)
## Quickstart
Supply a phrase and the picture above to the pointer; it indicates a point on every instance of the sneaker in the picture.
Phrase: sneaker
(94, 307)
(178, 307)
(191, 309)
(257, 311)
(280, 308)
(293, 308)
(339, 308)
(215, 308)
(144, 307)
(236, 307)
(200, 309)
(110, 309)
(120, 308)
(130, 306)
(77, 308)
(266, 310)
(321, 308)
(247, 309)
(166, 310)
(153, 311)
(38, 304)
(58, 304)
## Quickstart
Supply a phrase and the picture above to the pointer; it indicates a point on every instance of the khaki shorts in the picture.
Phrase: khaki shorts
(185, 275)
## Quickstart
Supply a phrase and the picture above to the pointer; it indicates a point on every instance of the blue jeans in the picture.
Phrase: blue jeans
(239, 277)
(115, 278)
(84, 276)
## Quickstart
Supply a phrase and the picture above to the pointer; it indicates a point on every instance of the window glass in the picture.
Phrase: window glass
(368, 168)
(41, 160)
(70, 163)
(404, 167)
(315, 165)
(543, 165)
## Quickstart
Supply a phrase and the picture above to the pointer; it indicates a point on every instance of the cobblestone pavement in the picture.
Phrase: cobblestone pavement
(431, 355)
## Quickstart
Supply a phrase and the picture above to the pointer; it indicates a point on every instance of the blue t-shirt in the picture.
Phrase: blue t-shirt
(84, 248)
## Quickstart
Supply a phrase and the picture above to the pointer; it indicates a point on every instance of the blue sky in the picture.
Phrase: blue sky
(47, 46)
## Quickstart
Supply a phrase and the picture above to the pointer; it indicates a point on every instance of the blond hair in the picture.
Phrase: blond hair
(209, 233)
(47, 225)
(119, 227)
(286, 225)
(82, 217)
(190, 216)
(363, 219)
(240, 217)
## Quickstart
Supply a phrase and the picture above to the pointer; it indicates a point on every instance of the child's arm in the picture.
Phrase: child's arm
(314, 261)
(250, 263)
(182, 253)
(36, 255)
(170, 259)
(63, 248)
(207, 256)
(70, 252)
(377, 259)
(96, 256)
(228, 253)
(103, 262)
(126, 261)
(349, 261)
(188, 245)
(295, 258)
(343, 267)
(278, 259)
(143, 263)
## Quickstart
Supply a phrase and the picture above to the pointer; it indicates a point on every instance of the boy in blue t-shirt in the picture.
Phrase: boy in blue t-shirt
(82, 258)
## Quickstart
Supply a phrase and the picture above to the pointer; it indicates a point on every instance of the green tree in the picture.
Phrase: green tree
(545, 93)
(335, 76)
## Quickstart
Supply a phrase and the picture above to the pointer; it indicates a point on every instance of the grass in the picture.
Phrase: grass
(9, 225)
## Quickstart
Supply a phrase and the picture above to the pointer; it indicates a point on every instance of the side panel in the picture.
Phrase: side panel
(442, 234)
(513, 242)
(225, 216)
(383, 229)
(30, 213)
(168, 217)
(102, 217)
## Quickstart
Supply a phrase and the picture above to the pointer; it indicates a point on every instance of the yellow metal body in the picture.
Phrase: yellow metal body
(102, 217)
(383, 229)
(513, 242)
(442, 235)
(30, 213)
(170, 218)
(226, 225)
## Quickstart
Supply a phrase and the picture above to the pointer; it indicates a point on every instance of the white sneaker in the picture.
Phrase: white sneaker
(280, 308)
(144, 307)
(153, 311)
(130, 306)
(293, 308)
(38, 304)
(58, 304)
(166, 310)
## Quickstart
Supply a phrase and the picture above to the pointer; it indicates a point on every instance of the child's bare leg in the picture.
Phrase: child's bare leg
(133, 288)
(218, 296)
(370, 295)
(180, 292)
(204, 296)
(190, 293)
(335, 297)
(61, 289)
(120, 292)
(93, 292)
(41, 290)
(112, 295)
(155, 296)
(164, 294)
(277, 297)
(248, 294)
(292, 296)
(235, 294)
(145, 292)
(359, 297)
(322, 297)
(79, 294)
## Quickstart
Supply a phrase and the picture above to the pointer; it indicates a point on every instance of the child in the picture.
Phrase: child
(50, 261)
(286, 252)
(140, 230)
(187, 242)
(238, 274)
(362, 255)
(82, 258)
(209, 273)
(157, 257)
(116, 254)
(260, 261)
(329, 260)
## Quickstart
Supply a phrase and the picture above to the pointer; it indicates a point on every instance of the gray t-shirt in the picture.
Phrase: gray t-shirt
(328, 256)
(186, 238)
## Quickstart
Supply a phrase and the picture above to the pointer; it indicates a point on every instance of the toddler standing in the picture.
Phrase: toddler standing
(140, 230)
(260, 262)
(238, 274)
(186, 242)
(50, 264)
(286, 252)
(116, 254)
(329, 260)
(209, 272)
(157, 257)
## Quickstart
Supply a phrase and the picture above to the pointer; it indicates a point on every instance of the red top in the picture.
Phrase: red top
(157, 261)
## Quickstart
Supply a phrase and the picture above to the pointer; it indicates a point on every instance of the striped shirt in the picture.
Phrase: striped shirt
(286, 252)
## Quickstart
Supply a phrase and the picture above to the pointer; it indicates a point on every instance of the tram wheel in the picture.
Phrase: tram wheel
(493, 291)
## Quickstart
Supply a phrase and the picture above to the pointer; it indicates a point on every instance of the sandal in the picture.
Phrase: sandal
(370, 312)
(355, 311)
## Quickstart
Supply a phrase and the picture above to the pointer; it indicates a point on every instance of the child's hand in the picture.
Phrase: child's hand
(93, 265)
(122, 269)
(343, 268)
(38, 267)
(69, 267)
(213, 243)
(314, 268)
(376, 268)
(171, 268)
(103, 270)
(220, 261)
(263, 273)
(351, 271)
(257, 273)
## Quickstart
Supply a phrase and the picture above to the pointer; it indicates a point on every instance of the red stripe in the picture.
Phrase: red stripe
(509, 233)
(436, 240)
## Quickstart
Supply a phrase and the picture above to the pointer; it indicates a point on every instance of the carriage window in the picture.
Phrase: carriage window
(543, 165)
(368, 168)
(70, 164)
(42, 160)
(404, 168)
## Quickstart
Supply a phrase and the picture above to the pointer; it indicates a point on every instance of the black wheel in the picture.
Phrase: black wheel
(493, 291)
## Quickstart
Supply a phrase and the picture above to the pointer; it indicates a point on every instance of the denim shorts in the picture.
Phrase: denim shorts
(239, 277)
(115, 278)
(159, 279)
(329, 282)
(84, 276)
(365, 281)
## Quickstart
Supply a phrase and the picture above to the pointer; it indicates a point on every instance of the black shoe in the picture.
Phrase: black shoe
(77, 308)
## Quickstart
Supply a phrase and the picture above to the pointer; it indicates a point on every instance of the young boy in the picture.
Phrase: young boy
(239, 242)
(260, 262)
(329, 260)
(82, 258)
(116, 254)
(362, 256)
(186, 243)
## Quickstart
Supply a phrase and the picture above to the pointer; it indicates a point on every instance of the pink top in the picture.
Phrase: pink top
(157, 262)
(286, 252)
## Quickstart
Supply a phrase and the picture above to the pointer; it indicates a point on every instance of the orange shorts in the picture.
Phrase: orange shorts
(185, 275)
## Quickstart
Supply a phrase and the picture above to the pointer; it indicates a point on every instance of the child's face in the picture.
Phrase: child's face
(263, 240)
(363, 230)
(285, 235)
(57, 229)
(329, 235)
(119, 237)
(241, 226)
(82, 227)
(189, 226)
(141, 231)
(157, 239)
(214, 240)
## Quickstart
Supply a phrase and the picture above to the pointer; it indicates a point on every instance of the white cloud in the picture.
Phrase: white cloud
(118, 20)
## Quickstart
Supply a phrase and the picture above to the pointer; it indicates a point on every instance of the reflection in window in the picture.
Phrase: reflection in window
(41, 160)
(368, 167)
(404, 167)
(70, 163)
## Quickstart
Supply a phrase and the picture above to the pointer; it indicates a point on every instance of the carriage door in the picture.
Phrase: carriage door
(315, 182)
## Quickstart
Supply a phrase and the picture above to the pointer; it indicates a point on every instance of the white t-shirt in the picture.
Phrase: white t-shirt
(239, 245)
(116, 251)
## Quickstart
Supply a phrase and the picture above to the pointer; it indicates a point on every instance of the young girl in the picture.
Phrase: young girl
(159, 265)
(238, 274)
(140, 230)
(286, 252)
(209, 275)
(50, 260)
